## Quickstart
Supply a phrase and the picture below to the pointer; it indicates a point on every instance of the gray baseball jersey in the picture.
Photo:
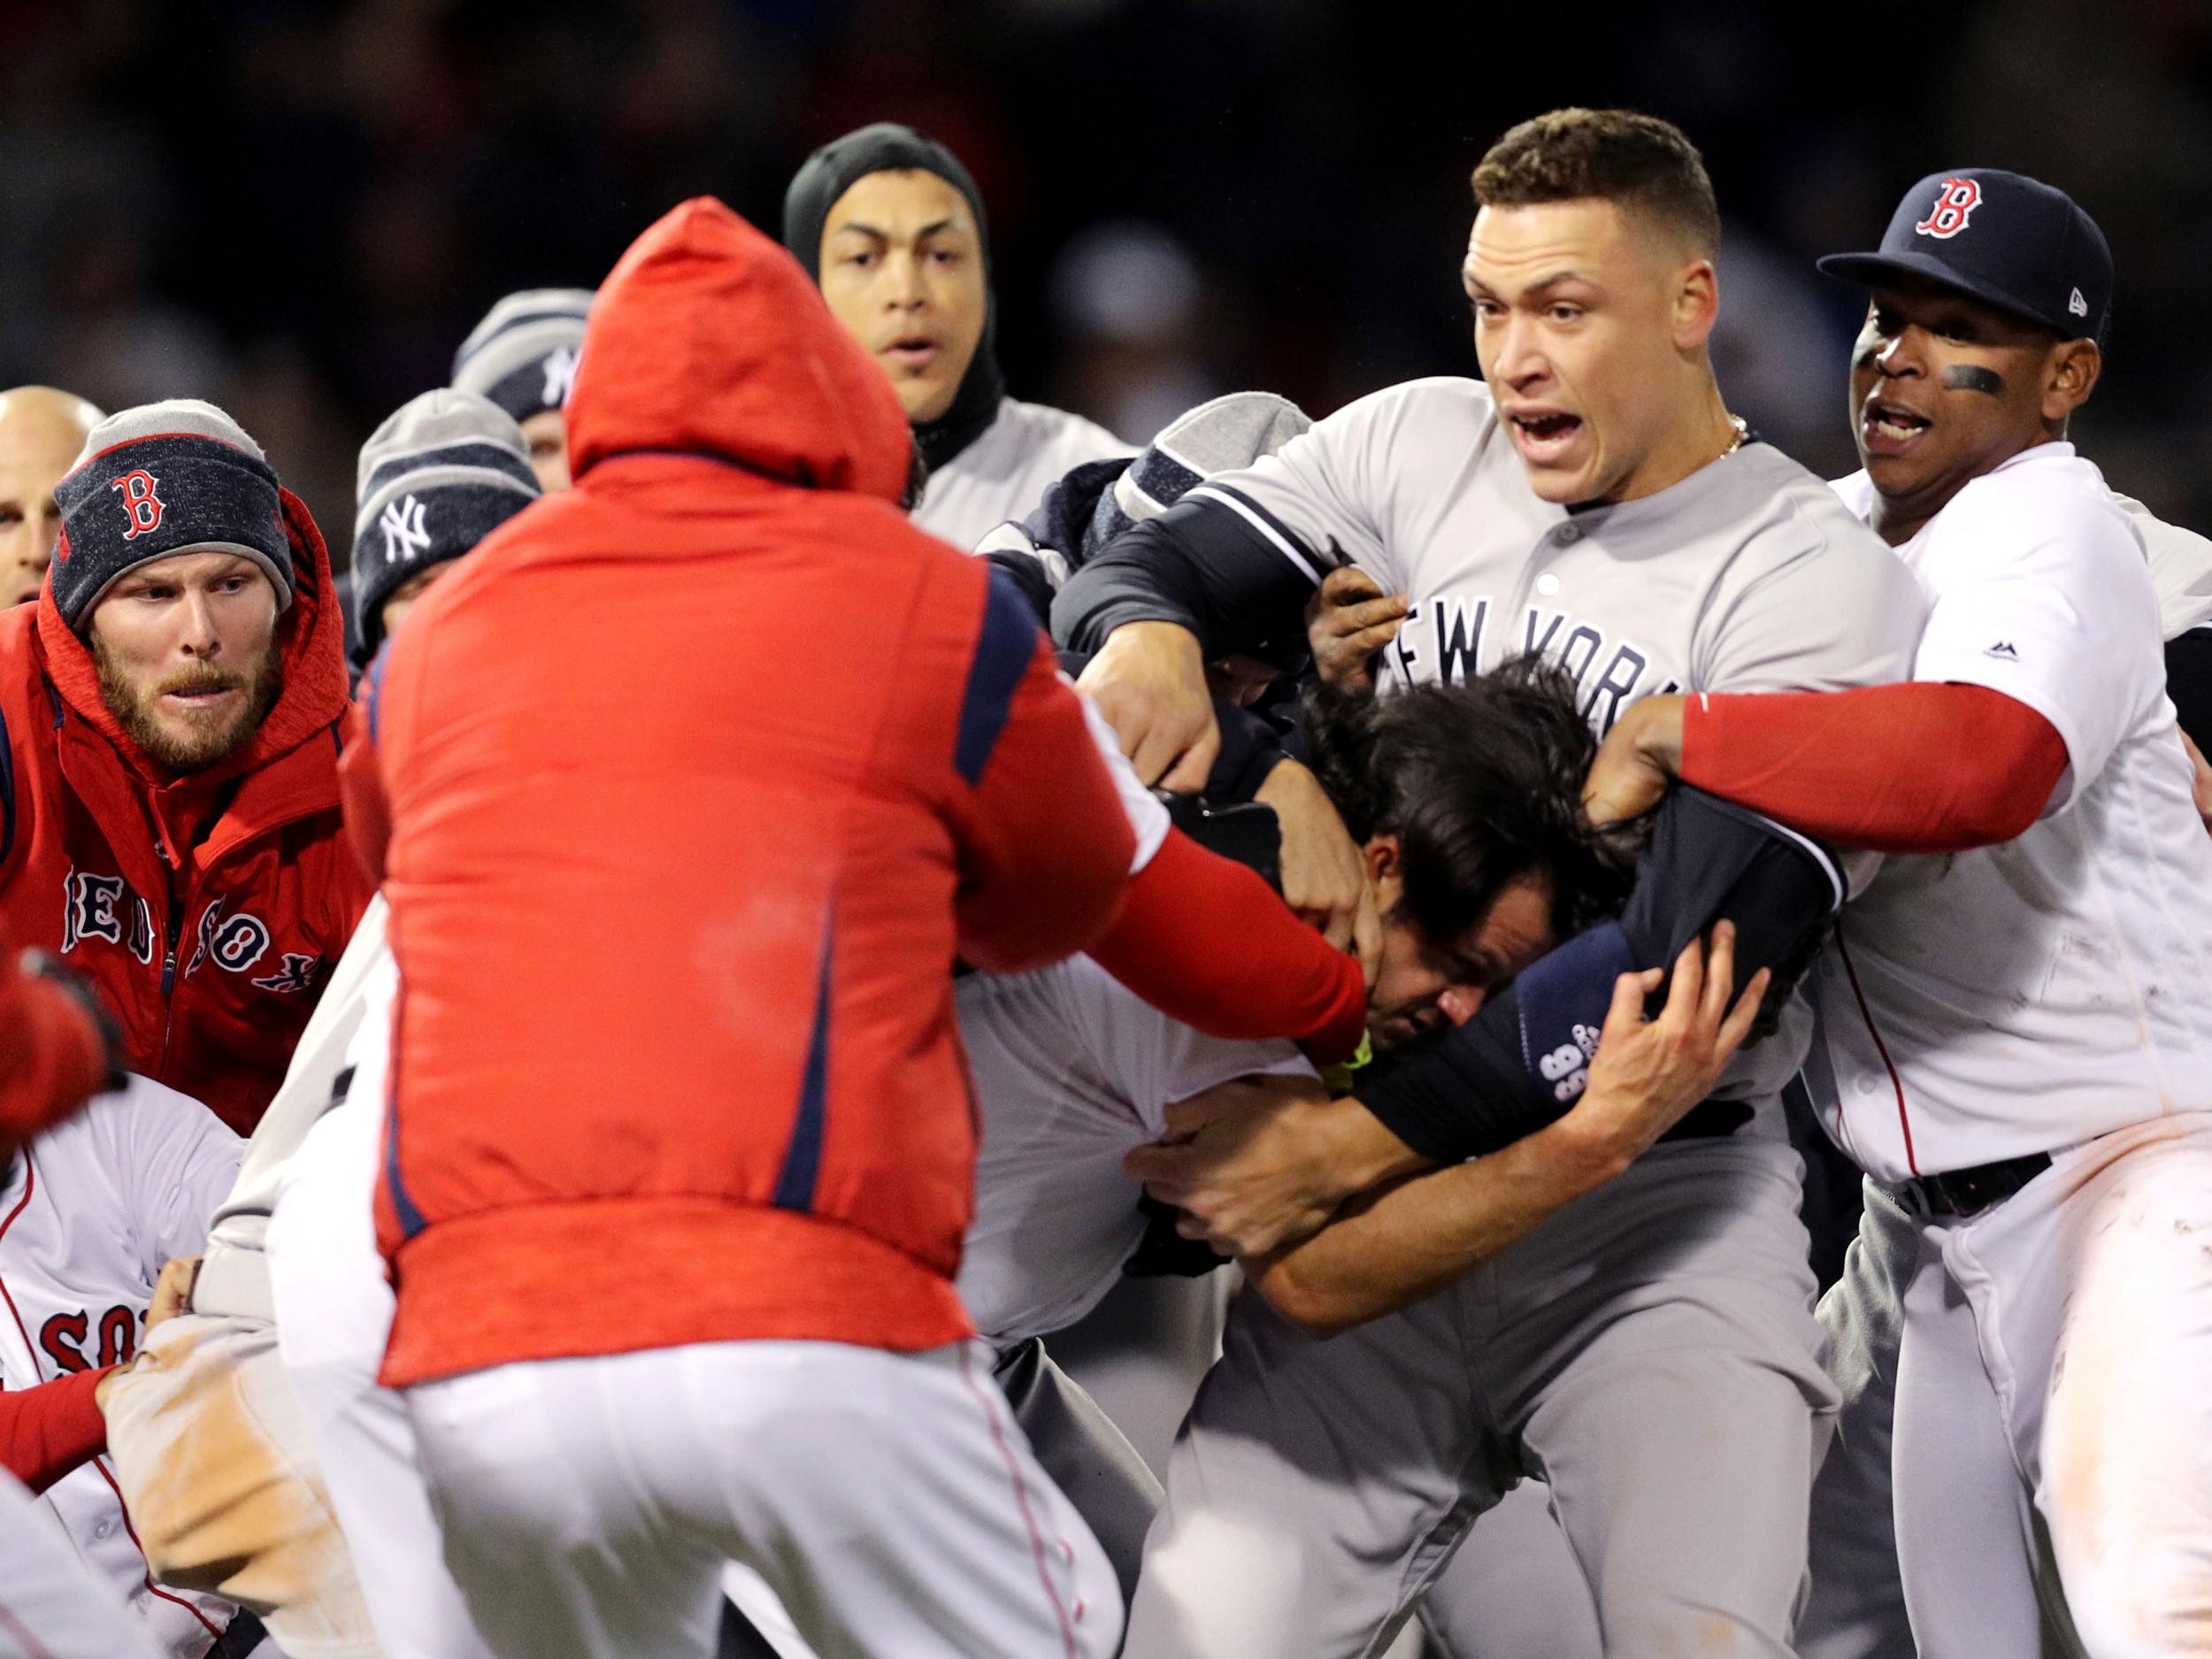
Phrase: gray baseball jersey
(1748, 575)
(1005, 473)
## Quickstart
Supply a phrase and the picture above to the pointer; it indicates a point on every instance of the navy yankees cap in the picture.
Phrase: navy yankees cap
(2001, 237)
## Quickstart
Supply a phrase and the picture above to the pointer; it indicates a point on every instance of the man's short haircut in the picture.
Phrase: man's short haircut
(1482, 785)
(1646, 165)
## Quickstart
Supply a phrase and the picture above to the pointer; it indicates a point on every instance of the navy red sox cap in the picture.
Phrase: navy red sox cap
(2012, 240)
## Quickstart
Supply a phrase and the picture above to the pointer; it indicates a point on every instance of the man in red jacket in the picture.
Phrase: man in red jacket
(681, 1143)
(169, 822)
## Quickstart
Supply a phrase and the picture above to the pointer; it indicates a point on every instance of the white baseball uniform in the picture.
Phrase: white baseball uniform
(1025, 451)
(2181, 569)
(333, 1314)
(90, 1212)
(1072, 1070)
(1319, 1487)
(2024, 1387)
(50, 1608)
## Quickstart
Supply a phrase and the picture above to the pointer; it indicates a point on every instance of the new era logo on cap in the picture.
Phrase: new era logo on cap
(2077, 304)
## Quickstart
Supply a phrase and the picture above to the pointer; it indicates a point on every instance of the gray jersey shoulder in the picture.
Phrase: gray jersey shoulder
(1746, 575)
(1005, 473)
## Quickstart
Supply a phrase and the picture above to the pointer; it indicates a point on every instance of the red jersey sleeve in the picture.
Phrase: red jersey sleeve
(1205, 939)
(1925, 766)
(1045, 844)
(51, 1429)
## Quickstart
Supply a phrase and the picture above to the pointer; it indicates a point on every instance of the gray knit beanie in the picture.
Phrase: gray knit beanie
(441, 473)
(523, 355)
(174, 477)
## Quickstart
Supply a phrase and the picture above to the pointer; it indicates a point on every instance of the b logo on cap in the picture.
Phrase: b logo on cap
(1948, 217)
(144, 507)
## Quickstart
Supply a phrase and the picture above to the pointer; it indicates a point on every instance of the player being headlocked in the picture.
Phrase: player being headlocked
(1465, 802)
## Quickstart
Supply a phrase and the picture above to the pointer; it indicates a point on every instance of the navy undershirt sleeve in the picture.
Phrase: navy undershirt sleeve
(1524, 1059)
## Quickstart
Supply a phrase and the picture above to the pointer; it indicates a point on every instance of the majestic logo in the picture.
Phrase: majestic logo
(1954, 207)
(2077, 304)
(406, 532)
(560, 376)
(2003, 648)
(144, 507)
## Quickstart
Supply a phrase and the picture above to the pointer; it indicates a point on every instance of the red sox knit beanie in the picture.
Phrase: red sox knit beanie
(174, 477)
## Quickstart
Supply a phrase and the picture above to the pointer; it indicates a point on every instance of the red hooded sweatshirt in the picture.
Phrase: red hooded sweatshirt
(206, 910)
(698, 776)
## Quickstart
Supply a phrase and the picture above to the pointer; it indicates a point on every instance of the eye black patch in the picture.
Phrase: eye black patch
(1971, 377)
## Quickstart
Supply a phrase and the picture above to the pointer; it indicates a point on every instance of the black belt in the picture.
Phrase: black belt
(1968, 1192)
(1710, 1120)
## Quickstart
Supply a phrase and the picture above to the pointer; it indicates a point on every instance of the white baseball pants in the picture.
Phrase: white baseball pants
(334, 1316)
(50, 1606)
(888, 1499)
(2050, 1415)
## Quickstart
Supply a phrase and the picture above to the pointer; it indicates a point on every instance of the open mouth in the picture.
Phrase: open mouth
(1544, 434)
(914, 354)
(1890, 429)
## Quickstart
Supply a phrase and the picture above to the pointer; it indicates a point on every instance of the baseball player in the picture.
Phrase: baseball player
(90, 1213)
(443, 472)
(891, 225)
(436, 477)
(50, 1608)
(169, 821)
(522, 357)
(768, 1285)
(2018, 1022)
(41, 432)
(1592, 500)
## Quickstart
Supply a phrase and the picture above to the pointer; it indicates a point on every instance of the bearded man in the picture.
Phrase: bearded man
(169, 737)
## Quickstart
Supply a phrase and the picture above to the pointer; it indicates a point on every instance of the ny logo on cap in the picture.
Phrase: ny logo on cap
(141, 504)
(406, 535)
(560, 376)
(1955, 205)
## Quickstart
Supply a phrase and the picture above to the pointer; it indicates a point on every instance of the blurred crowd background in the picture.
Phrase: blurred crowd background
(298, 209)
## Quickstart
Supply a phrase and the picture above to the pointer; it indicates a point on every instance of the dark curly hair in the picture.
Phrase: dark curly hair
(1482, 785)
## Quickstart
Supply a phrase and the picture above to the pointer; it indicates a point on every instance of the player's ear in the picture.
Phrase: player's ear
(2069, 376)
(1385, 857)
(1696, 304)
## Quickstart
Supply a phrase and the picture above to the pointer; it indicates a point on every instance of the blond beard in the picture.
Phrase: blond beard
(205, 745)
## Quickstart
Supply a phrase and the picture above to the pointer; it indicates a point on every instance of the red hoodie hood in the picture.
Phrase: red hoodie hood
(314, 693)
(709, 339)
